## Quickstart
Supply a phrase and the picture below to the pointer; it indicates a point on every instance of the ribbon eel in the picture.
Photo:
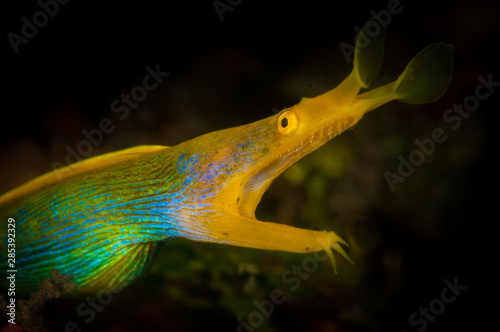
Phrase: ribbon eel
(103, 220)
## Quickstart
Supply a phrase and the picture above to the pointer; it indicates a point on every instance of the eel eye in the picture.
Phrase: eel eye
(287, 122)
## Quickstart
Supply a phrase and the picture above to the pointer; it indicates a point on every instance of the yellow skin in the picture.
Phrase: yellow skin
(101, 219)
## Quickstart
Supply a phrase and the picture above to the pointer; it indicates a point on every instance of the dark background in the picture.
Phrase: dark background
(261, 58)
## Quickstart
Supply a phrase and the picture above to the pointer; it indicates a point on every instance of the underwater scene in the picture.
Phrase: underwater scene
(230, 165)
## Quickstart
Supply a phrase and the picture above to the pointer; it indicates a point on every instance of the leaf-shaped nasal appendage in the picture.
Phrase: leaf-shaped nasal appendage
(369, 51)
(427, 76)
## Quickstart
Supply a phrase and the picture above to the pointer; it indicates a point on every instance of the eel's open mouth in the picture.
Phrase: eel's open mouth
(266, 171)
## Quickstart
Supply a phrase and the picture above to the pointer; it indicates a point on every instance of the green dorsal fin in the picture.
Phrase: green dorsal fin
(427, 76)
(424, 80)
(369, 52)
(368, 58)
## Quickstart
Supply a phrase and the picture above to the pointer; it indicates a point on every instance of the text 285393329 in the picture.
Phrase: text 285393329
(11, 270)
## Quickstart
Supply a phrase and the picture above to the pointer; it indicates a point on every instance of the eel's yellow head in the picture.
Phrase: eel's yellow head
(268, 147)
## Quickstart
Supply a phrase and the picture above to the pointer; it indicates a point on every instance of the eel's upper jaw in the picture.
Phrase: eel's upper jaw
(367, 63)
(425, 79)
(307, 139)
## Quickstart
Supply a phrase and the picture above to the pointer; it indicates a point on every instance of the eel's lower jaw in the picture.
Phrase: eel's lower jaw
(332, 241)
